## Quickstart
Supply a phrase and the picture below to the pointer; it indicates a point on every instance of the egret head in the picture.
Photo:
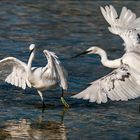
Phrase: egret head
(91, 50)
(32, 47)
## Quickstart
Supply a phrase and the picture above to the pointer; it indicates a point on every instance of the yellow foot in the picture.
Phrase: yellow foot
(64, 102)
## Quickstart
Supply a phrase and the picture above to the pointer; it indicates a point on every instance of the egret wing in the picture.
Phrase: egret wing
(13, 71)
(62, 74)
(127, 26)
(55, 70)
(121, 84)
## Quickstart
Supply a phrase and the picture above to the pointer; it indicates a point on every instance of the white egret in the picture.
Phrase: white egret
(21, 74)
(123, 83)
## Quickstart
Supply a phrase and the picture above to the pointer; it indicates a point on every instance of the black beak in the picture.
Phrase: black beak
(81, 54)
(31, 51)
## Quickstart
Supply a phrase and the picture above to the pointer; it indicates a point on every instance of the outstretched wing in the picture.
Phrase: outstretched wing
(127, 26)
(121, 84)
(13, 71)
(55, 70)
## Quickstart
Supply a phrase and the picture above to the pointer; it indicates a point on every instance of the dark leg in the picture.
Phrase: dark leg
(63, 100)
(43, 104)
(63, 113)
(62, 94)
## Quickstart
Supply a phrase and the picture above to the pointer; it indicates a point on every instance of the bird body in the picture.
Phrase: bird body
(22, 75)
(123, 82)
(38, 81)
(132, 59)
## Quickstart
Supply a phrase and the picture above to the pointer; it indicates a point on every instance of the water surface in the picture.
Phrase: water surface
(67, 28)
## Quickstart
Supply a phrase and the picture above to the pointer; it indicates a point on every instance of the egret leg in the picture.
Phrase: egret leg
(63, 113)
(41, 95)
(63, 100)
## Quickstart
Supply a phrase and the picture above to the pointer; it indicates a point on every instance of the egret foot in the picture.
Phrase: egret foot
(64, 102)
(63, 114)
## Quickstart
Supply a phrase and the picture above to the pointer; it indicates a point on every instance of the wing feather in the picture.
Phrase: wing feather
(127, 26)
(13, 71)
(55, 70)
(120, 84)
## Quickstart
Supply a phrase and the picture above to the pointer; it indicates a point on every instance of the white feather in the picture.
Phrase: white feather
(127, 26)
(123, 88)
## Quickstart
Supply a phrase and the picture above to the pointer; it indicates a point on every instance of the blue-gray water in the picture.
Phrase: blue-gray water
(67, 28)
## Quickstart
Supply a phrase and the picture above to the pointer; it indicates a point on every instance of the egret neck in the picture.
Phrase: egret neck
(31, 57)
(106, 62)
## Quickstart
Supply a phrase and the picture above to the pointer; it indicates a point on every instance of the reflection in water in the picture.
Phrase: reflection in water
(17, 129)
(67, 28)
(39, 130)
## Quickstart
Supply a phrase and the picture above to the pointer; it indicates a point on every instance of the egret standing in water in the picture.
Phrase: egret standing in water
(21, 74)
(123, 83)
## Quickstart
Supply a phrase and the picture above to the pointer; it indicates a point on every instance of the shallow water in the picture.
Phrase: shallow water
(67, 28)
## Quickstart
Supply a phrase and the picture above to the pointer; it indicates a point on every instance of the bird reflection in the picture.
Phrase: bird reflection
(50, 131)
(16, 130)
(37, 130)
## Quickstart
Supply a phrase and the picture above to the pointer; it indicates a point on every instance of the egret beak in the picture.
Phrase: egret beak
(86, 52)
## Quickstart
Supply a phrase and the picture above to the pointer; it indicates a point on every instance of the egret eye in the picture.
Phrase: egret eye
(95, 50)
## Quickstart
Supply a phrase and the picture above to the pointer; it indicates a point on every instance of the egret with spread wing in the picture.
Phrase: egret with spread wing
(123, 83)
(21, 74)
